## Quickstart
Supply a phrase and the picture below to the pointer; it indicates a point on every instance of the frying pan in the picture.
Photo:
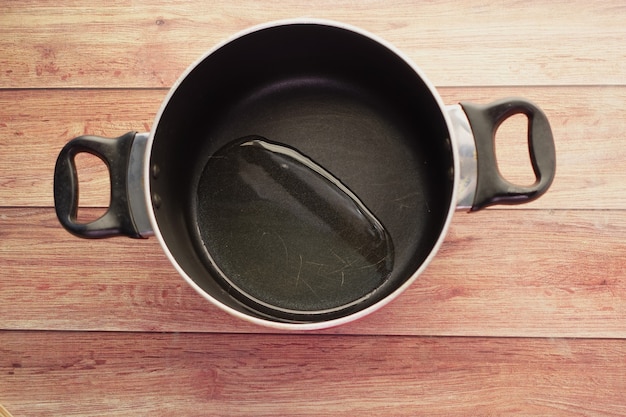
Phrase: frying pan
(303, 174)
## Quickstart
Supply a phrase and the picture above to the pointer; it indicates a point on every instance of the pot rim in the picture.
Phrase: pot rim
(317, 325)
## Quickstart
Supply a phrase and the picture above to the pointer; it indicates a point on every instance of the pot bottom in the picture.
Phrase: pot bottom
(305, 242)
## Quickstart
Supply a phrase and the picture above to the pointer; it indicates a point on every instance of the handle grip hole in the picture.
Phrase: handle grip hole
(94, 187)
(512, 153)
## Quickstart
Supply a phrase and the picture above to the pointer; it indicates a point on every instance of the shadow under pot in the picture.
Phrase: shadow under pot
(303, 174)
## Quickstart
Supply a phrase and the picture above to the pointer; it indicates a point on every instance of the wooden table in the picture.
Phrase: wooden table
(523, 312)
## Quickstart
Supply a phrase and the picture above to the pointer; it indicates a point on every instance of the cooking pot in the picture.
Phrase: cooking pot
(303, 174)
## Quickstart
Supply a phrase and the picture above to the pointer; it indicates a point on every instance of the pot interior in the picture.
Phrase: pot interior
(327, 95)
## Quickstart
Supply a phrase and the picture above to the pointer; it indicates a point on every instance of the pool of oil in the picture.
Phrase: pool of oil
(283, 233)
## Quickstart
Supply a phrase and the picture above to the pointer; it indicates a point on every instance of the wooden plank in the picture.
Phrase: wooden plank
(109, 374)
(499, 273)
(150, 43)
(587, 123)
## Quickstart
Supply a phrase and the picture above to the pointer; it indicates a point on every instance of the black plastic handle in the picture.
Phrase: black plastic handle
(115, 153)
(492, 188)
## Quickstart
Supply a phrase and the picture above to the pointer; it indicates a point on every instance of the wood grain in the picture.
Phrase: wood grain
(499, 273)
(4, 412)
(148, 44)
(587, 124)
(112, 374)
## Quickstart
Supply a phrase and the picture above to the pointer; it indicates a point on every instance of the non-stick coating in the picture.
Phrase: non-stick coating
(339, 97)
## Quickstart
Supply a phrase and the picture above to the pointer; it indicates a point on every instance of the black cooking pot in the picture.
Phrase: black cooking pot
(303, 173)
